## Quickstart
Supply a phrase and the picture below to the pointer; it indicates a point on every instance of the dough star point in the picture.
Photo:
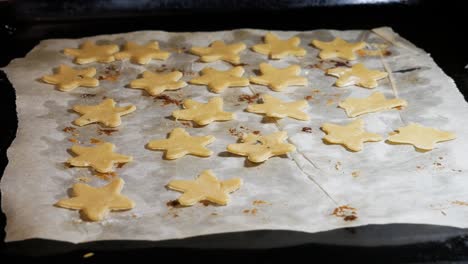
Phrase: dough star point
(279, 78)
(218, 50)
(96, 202)
(352, 135)
(203, 113)
(67, 78)
(218, 80)
(180, 143)
(358, 75)
(277, 48)
(100, 157)
(142, 54)
(338, 48)
(106, 113)
(205, 187)
(273, 107)
(259, 148)
(157, 83)
(420, 137)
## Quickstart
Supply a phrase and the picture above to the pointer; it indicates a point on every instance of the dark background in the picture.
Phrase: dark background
(438, 27)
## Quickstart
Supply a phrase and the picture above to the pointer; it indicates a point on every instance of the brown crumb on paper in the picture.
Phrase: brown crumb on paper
(108, 132)
(250, 211)
(106, 176)
(214, 214)
(259, 202)
(205, 202)
(460, 203)
(256, 132)
(69, 129)
(338, 165)
(95, 141)
(173, 204)
(167, 100)
(355, 173)
(73, 140)
(307, 129)
(87, 95)
(308, 97)
(346, 212)
(111, 73)
(235, 133)
(248, 98)
(84, 179)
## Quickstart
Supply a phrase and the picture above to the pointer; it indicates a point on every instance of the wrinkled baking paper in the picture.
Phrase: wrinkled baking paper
(302, 191)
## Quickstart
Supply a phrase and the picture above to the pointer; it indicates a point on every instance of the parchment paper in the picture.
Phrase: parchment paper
(383, 183)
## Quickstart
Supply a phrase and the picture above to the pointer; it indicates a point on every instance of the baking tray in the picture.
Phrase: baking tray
(390, 243)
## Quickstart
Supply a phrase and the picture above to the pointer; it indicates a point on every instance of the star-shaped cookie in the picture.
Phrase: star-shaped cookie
(419, 136)
(277, 48)
(279, 78)
(105, 113)
(142, 54)
(100, 157)
(90, 52)
(219, 51)
(203, 114)
(66, 78)
(374, 103)
(352, 135)
(217, 80)
(259, 148)
(205, 187)
(274, 107)
(156, 83)
(96, 202)
(180, 143)
(358, 75)
(338, 48)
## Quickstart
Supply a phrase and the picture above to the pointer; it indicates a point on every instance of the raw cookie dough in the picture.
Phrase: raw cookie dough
(105, 113)
(279, 78)
(374, 103)
(338, 48)
(100, 157)
(142, 54)
(217, 80)
(205, 187)
(156, 83)
(352, 135)
(90, 52)
(274, 107)
(358, 75)
(180, 143)
(67, 78)
(95, 203)
(421, 137)
(277, 48)
(259, 148)
(203, 114)
(219, 51)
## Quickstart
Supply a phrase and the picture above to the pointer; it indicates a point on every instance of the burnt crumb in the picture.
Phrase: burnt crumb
(250, 211)
(95, 141)
(307, 129)
(340, 63)
(346, 212)
(69, 129)
(387, 53)
(108, 132)
(120, 165)
(173, 203)
(249, 98)
(242, 64)
(106, 176)
(259, 202)
(350, 218)
(73, 140)
(308, 97)
(407, 70)
(111, 73)
(167, 100)
(235, 133)
(256, 132)
(205, 202)
(87, 95)
(214, 214)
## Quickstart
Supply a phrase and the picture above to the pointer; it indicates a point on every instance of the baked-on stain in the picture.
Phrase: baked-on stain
(346, 212)
(355, 173)
(173, 203)
(259, 202)
(95, 141)
(205, 202)
(111, 73)
(307, 129)
(106, 131)
(250, 99)
(308, 97)
(69, 129)
(73, 140)
(235, 133)
(256, 132)
(87, 95)
(120, 165)
(167, 100)
(460, 203)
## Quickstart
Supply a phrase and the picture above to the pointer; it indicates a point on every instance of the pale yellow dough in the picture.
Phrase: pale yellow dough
(259, 148)
(374, 103)
(203, 114)
(277, 48)
(142, 54)
(205, 187)
(217, 80)
(180, 143)
(66, 78)
(218, 50)
(352, 135)
(105, 113)
(156, 83)
(338, 48)
(100, 157)
(90, 52)
(274, 107)
(358, 75)
(279, 78)
(421, 137)
(95, 203)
